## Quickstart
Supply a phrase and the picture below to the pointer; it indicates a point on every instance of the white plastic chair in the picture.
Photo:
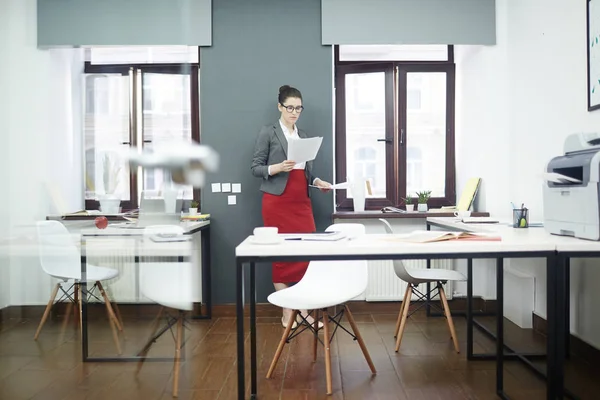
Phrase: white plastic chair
(325, 284)
(169, 284)
(415, 276)
(61, 259)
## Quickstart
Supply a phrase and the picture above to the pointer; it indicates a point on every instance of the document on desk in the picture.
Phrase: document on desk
(303, 150)
(320, 237)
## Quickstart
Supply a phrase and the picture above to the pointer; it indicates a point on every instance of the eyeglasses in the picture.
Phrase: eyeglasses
(291, 109)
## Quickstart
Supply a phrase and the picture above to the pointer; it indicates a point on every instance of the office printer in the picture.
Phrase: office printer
(571, 197)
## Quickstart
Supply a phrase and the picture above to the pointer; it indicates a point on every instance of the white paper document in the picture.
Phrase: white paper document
(303, 150)
(558, 178)
(343, 185)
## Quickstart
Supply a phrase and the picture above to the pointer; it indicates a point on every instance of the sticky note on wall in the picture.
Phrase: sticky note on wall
(231, 200)
(236, 187)
(226, 187)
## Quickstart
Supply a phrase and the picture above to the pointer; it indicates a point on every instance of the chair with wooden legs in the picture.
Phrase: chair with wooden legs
(169, 284)
(414, 277)
(61, 259)
(325, 284)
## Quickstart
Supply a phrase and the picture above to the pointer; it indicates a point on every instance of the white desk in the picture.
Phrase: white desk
(375, 247)
(109, 238)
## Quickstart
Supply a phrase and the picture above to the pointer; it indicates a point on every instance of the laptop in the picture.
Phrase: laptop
(152, 212)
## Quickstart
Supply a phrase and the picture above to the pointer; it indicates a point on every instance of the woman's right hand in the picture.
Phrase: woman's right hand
(285, 166)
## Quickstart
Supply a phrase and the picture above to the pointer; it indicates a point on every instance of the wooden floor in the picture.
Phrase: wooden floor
(425, 368)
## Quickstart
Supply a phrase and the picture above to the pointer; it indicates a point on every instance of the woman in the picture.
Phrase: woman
(285, 203)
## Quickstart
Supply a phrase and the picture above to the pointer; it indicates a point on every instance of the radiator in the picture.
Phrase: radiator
(384, 285)
(125, 287)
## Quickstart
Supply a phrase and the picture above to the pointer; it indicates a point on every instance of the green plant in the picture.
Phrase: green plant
(194, 204)
(408, 199)
(111, 169)
(423, 197)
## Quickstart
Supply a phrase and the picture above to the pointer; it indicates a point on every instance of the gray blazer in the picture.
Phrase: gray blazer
(271, 148)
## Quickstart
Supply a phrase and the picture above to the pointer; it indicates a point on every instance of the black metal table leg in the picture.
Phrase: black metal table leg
(562, 324)
(567, 302)
(500, 328)
(206, 272)
(253, 331)
(428, 297)
(239, 313)
(469, 309)
(84, 304)
(551, 311)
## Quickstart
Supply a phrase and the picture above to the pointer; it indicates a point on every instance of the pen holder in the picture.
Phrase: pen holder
(520, 218)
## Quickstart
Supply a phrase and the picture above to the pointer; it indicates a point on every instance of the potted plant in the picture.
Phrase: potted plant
(193, 210)
(422, 199)
(408, 200)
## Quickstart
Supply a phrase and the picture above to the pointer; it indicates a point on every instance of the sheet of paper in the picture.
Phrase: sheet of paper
(231, 200)
(343, 185)
(558, 178)
(216, 187)
(236, 187)
(303, 150)
(226, 187)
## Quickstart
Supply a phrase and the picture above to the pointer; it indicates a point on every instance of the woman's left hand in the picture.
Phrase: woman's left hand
(323, 185)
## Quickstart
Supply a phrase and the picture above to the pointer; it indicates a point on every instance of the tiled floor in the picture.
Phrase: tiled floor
(425, 368)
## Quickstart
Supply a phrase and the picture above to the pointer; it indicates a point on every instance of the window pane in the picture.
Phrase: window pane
(106, 128)
(142, 55)
(167, 119)
(426, 133)
(365, 123)
(408, 52)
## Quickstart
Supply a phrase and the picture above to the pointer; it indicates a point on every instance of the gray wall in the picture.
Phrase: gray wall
(124, 22)
(409, 21)
(258, 46)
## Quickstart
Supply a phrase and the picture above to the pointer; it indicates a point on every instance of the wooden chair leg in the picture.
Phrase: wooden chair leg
(284, 337)
(178, 355)
(76, 297)
(359, 338)
(78, 288)
(316, 335)
(47, 311)
(327, 345)
(449, 317)
(111, 313)
(404, 317)
(401, 310)
(112, 320)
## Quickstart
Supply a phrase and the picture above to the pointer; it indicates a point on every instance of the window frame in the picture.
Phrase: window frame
(124, 69)
(395, 116)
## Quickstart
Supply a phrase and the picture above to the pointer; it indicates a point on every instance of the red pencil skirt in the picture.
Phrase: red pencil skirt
(291, 212)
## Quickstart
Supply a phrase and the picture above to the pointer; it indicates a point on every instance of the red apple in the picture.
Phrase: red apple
(101, 222)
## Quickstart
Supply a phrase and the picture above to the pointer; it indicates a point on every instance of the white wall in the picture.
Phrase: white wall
(518, 101)
(38, 141)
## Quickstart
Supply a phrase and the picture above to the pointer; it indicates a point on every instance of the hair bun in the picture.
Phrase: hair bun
(284, 88)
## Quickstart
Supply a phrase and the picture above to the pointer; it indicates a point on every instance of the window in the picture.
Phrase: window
(135, 101)
(395, 122)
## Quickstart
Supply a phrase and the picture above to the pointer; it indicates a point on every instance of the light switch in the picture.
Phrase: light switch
(226, 187)
(236, 187)
(216, 188)
(231, 200)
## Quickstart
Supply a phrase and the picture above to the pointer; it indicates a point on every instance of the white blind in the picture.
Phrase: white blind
(408, 22)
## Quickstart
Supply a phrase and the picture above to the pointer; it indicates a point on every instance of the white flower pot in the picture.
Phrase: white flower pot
(193, 211)
(410, 207)
(422, 207)
(109, 204)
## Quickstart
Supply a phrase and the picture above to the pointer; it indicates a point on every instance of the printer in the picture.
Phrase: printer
(571, 189)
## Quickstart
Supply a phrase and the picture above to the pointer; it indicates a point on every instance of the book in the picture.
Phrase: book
(195, 217)
(440, 236)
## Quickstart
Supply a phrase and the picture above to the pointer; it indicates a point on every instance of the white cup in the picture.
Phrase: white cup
(462, 214)
(265, 233)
